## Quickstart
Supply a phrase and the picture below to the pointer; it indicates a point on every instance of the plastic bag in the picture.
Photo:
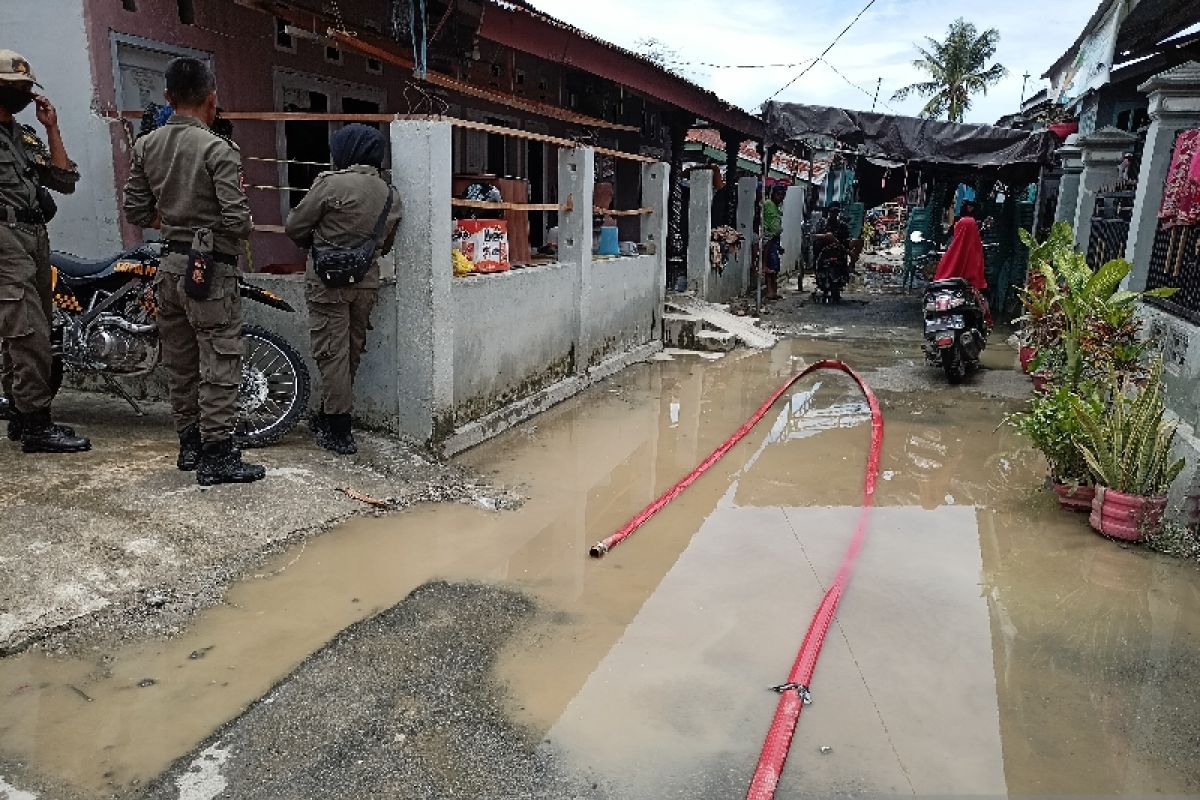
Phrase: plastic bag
(462, 265)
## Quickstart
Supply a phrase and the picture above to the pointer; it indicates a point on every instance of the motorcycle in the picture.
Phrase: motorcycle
(832, 270)
(104, 325)
(956, 329)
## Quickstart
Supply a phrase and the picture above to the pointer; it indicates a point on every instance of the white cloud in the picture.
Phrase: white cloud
(880, 45)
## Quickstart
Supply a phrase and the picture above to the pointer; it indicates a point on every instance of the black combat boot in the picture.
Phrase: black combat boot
(318, 423)
(221, 462)
(337, 437)
(16, 425)
(39, 435)
(190, 448)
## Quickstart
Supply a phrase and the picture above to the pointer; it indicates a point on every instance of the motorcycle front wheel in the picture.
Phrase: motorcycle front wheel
(275, 388)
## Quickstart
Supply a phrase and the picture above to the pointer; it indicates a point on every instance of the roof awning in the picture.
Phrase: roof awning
(1007, 152)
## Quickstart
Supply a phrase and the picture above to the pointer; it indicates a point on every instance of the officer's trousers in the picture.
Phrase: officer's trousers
(26, 303)
(338, 322)
(201, 351)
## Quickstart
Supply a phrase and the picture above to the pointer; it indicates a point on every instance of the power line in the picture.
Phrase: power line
(856, 86)
(748, 66)
(825, 52)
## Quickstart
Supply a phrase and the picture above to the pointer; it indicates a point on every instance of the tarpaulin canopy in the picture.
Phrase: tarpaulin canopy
(1007, 152)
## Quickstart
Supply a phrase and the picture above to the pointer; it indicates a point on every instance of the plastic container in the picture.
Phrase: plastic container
(609, 244)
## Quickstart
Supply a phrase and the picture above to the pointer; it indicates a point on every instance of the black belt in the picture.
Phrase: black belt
(22, 216)
(183, 249)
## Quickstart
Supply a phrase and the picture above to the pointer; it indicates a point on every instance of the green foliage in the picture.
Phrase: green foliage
(1127, 445)
(1052, 426)
(1081, 312)
(957, 68)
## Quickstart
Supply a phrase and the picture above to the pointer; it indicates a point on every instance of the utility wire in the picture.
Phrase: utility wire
(856, 86)
(747, 66)
(825, 51)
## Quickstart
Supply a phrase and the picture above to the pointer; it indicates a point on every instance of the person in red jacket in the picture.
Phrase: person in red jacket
(964, 259)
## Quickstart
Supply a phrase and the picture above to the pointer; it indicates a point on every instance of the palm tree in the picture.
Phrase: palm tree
(958, 68)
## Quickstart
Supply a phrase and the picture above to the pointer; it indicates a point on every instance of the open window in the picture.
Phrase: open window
(304, 144)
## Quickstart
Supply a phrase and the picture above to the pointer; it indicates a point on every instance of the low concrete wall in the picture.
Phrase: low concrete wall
(376, 394)
(453, 361)
(623, 311)
(515, 333)
(1180, 340)
(706, 282)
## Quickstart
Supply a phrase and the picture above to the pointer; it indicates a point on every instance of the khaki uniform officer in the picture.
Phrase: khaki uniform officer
(344, 207)
(27, 168)
(186, 179)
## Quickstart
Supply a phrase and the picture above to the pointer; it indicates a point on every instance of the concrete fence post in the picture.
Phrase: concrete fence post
(1102, 153)
(1071, 159)
(421, 173)
(700, 232)
(577, 181)
(1174, 106)
(747, 189)
(655, 185)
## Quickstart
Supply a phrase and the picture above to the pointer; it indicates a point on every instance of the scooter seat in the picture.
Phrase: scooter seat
(78, 268)
(948, 283)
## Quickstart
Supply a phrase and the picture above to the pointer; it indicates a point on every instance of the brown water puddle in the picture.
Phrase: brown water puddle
(990, 644)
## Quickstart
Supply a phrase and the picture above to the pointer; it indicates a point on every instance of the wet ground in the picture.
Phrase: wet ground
(989, 644)
(116, 543)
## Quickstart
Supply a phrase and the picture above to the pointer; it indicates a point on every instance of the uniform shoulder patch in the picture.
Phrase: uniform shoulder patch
(34, 146)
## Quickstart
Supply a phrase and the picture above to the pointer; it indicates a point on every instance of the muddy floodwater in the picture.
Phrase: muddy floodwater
(989, 644)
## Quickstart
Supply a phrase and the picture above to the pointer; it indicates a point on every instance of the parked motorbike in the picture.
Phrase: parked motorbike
(956, 329)
(104, 325)
(832, 270)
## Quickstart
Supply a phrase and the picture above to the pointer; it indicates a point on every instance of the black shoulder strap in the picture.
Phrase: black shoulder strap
(387, 209)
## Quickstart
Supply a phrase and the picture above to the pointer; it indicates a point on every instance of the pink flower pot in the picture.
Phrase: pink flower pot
(1027, 355)
(1126, 516)
(1075, 498)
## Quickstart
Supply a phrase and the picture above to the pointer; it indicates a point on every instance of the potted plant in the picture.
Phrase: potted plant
(1052, 426)
(1127, 447)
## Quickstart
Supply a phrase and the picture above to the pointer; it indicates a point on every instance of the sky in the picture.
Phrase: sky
(1033, 34)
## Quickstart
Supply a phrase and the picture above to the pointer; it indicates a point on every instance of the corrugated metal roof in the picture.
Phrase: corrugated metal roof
(782, 162)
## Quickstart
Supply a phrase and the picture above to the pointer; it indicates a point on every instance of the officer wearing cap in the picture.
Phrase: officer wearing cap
(28, 167)
(187, 180)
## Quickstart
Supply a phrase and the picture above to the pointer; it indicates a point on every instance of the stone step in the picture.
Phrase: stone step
(716, 341)
(681, 331)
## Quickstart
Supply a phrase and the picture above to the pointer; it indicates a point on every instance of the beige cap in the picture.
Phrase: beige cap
(14, 68)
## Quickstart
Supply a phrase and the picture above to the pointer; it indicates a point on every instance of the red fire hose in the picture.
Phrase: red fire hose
(794, 693)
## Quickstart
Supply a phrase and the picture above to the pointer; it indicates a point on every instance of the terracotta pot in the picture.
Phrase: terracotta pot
(1075, 498)
(1126, 516)
(1040, 382)
(1027, 355)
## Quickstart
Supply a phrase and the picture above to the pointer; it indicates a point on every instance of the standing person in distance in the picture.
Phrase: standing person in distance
(772, 222)
(347, 220)
(187, 180)
(28, 168)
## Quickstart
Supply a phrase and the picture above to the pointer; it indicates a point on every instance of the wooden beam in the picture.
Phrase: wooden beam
(530, 135)
(633, 212)
(309, 116)
(492, 96)
(483, 204)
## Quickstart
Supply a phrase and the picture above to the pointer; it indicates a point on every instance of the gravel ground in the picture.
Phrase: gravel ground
(115, 544)
(402, 705)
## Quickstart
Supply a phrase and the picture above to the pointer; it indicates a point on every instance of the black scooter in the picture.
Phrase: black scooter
(956, 328)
